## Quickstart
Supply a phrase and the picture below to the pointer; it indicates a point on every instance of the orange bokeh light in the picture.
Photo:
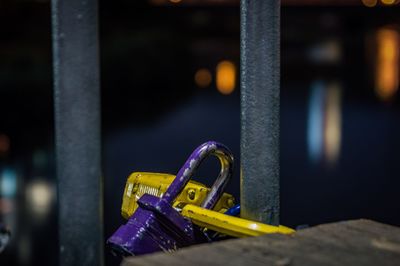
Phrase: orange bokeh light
(203, 78)
(370, 3)
(226, 77)
(387, 63)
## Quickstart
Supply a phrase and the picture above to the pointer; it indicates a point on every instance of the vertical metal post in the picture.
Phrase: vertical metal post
(77, 120)
(260, 41)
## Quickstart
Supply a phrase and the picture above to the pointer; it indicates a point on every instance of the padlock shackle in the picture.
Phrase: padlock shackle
(191, 165)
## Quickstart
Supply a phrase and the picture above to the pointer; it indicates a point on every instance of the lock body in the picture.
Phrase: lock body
(156, 184)
(156, 225)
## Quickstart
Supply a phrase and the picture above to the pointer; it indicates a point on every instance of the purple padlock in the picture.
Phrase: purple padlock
(156, 225)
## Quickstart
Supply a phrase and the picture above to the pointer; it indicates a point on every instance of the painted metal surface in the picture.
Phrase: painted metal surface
(230, 225)
(193, 162)
(156, 225)
(233, 211)
(140, 183)
(260, 56)
(77, 119)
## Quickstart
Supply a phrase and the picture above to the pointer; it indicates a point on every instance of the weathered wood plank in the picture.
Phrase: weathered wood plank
(358, 242)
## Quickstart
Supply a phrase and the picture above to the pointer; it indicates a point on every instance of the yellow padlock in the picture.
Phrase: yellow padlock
(156, 184)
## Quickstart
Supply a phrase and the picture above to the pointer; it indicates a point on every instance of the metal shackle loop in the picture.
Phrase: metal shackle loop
(191, 165)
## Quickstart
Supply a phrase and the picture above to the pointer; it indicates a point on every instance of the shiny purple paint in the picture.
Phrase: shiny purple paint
(156, 225)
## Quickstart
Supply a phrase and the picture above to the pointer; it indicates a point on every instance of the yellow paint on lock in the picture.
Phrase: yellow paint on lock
(156, 184)
(229, 225)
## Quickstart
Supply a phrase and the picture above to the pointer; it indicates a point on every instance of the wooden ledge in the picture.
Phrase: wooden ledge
(356, 242)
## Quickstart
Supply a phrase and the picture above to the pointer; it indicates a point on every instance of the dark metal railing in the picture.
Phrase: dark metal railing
(260, 56)
(77, 120)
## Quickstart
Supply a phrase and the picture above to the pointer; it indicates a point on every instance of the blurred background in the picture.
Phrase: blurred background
(170, 81)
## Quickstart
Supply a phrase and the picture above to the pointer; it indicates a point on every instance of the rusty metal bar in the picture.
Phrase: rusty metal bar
(260, 62)
(77, 120)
